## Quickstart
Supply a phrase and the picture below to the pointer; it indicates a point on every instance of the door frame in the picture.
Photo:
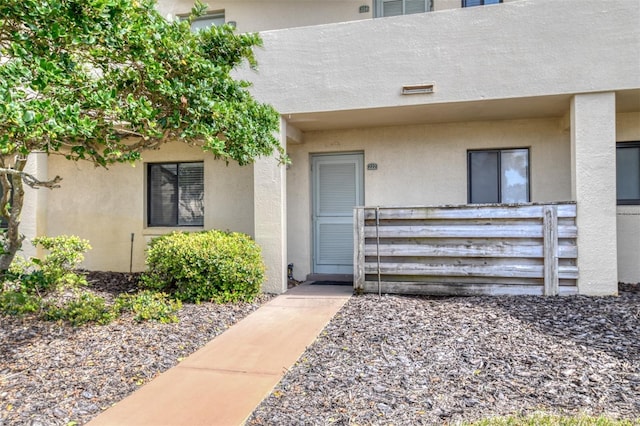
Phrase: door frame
(360, 184)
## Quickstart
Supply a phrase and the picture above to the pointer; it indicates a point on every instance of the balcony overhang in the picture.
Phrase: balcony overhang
(480, 110)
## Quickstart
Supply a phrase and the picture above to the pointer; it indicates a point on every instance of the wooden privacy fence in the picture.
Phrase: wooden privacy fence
(466, 250)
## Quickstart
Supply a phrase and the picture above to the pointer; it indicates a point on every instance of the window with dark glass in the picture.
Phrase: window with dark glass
(401, 7)
(471, 3)
(628, 172)
(175, 195)
(498, 176)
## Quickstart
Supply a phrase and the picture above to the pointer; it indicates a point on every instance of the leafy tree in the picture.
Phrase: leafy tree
(103, 80)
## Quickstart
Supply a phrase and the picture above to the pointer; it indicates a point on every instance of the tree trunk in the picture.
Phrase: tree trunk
(12, 240)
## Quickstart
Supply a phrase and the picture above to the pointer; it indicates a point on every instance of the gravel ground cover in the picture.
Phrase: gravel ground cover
(53, 374)
(389, 360)
(419, 360)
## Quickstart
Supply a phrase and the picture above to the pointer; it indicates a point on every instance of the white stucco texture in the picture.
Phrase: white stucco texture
(424, 165)
(593, 147)
(519, 49)
(270, 195)
(107, 206)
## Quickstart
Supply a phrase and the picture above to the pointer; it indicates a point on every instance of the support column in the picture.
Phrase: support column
(593, 187)
(270, 216)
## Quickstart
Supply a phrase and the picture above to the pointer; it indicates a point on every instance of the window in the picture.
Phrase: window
(208, 20)
(471, 3)
(175, 195)
(498, 176)
(628, 172)
(401, 7)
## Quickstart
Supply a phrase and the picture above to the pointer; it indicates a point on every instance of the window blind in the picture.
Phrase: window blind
(176, 194)
(401, 7)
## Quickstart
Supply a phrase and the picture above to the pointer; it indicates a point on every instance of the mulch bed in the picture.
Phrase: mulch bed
(52, 373)
(381, 360)
(420, 360)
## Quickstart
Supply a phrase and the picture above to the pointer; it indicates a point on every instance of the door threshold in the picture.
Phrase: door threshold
(330, 277)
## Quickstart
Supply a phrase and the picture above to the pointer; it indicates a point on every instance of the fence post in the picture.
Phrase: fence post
(358, 249)
(550, 231)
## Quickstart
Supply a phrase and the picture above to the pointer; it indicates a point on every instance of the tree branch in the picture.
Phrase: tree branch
(31, 180)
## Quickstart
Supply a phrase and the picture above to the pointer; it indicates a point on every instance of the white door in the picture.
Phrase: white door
(337, 189)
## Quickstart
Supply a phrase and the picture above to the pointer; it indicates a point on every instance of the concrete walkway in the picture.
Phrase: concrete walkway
(223, 382)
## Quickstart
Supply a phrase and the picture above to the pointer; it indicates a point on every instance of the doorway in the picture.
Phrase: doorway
(337, 186)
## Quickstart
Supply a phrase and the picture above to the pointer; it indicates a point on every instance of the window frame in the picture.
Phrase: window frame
(626, 145)
(378, 8)
(482, 3)
(499, 150)
(210, 15)
(149, 198)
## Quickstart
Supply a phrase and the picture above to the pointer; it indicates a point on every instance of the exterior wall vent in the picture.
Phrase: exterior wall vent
(364, 8)
(417, 89)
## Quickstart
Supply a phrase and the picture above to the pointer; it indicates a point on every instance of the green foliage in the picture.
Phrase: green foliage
(24, 275)
(37, 287)
(205, 266)
(82, 309)
(19, 302)
(105, 70)
(65, 253)
(148, 305)
(103, 80)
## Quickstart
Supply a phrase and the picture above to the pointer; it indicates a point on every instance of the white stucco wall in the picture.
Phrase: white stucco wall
(525, 49)
(254, 16)
(518, 49)
(423, 165)
(33, 221)
(270, 209)
(593, 179)
(107, 206)
(628, 217)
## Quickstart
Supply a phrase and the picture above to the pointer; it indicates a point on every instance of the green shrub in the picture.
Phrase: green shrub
(65, 253)
(205, 266)
(28, 281)
(148, 305)
(83, 308)
(23, 274)
(19, 302)
(21, 289)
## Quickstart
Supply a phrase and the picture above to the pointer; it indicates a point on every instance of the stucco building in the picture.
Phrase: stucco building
(397, 102)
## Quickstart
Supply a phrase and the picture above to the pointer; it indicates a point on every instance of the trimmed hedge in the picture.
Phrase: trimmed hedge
(205, 266)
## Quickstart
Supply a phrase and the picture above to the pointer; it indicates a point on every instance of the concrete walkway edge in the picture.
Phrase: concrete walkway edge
(223, 382)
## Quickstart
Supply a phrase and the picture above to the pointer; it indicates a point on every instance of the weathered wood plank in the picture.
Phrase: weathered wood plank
(470, 231)
(551, 268)
(469, 212)
(451, 247)
(458, 231)
(498, 249)
(442, 279)
(448, 289)
(358, 248)
(492, 270)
